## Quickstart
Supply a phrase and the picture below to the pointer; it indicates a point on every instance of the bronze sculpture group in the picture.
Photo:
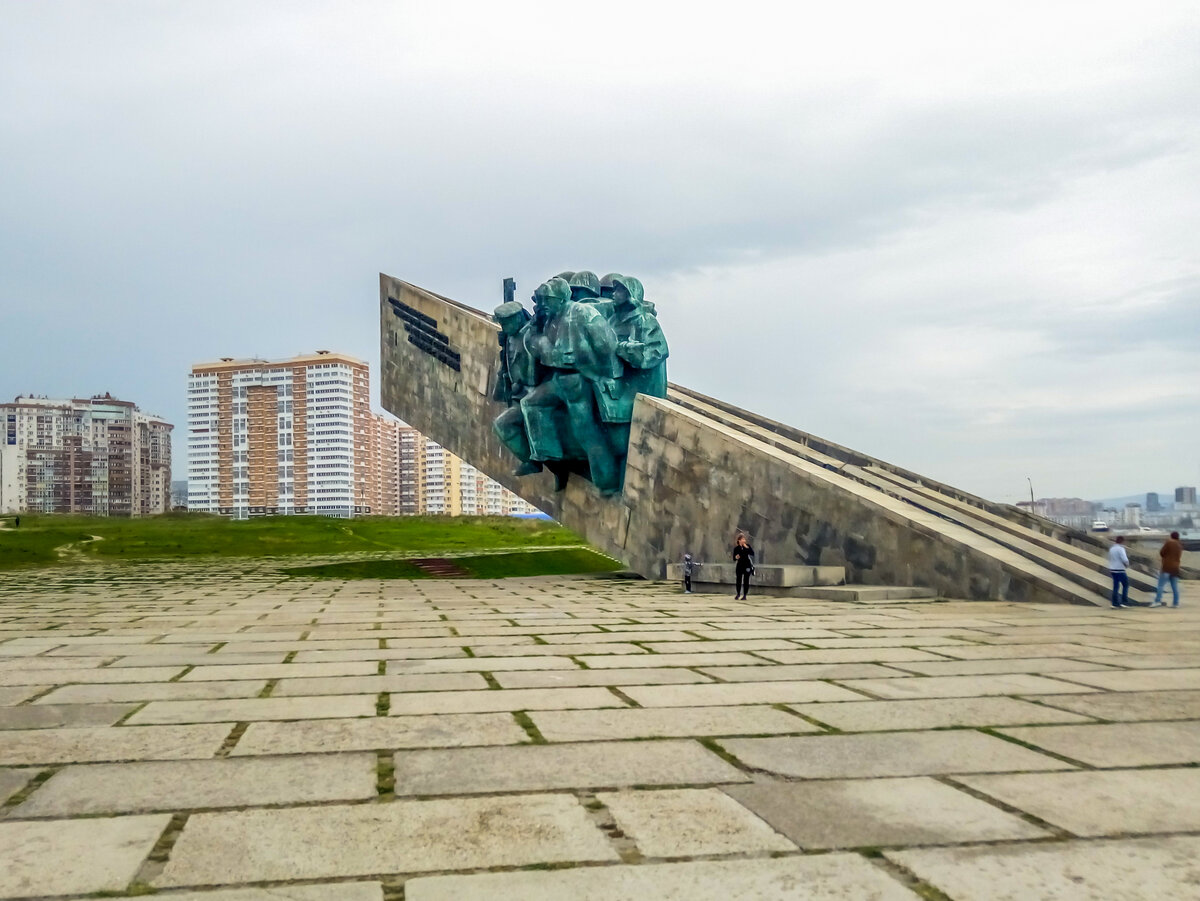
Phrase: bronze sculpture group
(570, 374)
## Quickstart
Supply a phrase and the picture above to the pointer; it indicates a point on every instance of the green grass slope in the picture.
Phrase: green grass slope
(196, 535)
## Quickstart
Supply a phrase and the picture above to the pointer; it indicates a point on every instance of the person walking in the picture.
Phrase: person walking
(1118, 563)
(743, 558)
(689, 567)
(1171, 554)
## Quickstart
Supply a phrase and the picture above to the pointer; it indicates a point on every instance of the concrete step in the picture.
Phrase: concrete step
(871, 594)
(763, 576)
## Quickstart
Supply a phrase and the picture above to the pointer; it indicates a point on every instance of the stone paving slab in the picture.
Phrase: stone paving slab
(27, 664)
(280, 671)
(963, 686)
(478, 665)
(887, 754)
(1129, 870)
(12, 781)
(698, 658)
(193, 784)
(53, 716)
(668, 722)
(1118, 744)
(603, 649)
(800, 672)
(381, 654)
(201, 660)
(876, 812)
(506, 699)
(74, 856)
(380, 733)
(92, 676)
(933, 713)
(243, 709)
(690, 822)
(365, 839)
(87, 745)
(549, 767)
(849, 655)
(738, 694)
(1102, 802)
(153, 691)
(585, 677)
(1131, 705)
(326, 891)
(722, 645)
(992, 651)
(347, 685)
(1140, 680)
(826, 877)
(1007, 665)
(12, 696)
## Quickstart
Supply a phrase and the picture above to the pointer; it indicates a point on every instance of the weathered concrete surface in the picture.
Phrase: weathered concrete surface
(407, 836)
(73, 857)
(830, 877)
(871, 812)
(690, 822)
(1131, 870)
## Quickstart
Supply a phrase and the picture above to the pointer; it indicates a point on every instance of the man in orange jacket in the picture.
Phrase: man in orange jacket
(1172, 559)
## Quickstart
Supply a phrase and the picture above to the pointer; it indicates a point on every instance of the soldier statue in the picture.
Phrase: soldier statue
(571, 373)
(642, 350)
(518, 374)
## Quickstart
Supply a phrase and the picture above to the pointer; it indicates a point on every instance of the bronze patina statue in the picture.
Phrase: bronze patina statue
(571, 372)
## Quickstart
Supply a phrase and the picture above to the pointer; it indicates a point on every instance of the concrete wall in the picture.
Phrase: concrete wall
(690, 483)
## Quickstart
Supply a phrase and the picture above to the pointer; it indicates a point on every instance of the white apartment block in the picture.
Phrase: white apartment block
(99, 456)
(287, 437)
(449, 486)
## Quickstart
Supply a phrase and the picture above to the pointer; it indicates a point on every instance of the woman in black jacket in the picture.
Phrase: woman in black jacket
(743, 558)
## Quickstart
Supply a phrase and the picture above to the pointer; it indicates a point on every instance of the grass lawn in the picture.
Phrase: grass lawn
(195, 535)
(23, 547)
(567, 561)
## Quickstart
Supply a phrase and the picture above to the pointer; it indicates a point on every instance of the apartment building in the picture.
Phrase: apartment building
(282, 437)
(99, 456)
(445, 484)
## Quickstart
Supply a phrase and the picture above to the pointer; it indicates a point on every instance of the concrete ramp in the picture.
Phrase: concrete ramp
(699, 470)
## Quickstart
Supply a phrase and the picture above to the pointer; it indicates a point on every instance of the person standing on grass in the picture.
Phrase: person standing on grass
(1171, 554)
(743, 559)
(1118, 563)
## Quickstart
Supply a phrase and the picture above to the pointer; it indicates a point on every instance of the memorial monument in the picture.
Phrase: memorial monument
(568, 405)
(570, 374)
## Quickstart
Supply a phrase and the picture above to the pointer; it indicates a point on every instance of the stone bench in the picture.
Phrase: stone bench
(772, 579)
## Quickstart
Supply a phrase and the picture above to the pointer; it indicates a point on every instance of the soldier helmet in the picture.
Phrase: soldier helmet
(632, 285)
(606, 284)
(566, 276)
(510, 310)
(584, 283)
(554, 287)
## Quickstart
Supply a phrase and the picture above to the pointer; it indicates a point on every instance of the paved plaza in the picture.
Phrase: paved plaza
(220, 731)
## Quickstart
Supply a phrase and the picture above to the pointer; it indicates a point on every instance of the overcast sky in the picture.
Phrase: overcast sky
(961, 237)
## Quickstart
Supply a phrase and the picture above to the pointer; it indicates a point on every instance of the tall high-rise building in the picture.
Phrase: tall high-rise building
(408, 478)
(284, 437)
(445, 484)
(100, 456)
(1153, 505)
(1185, 495)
